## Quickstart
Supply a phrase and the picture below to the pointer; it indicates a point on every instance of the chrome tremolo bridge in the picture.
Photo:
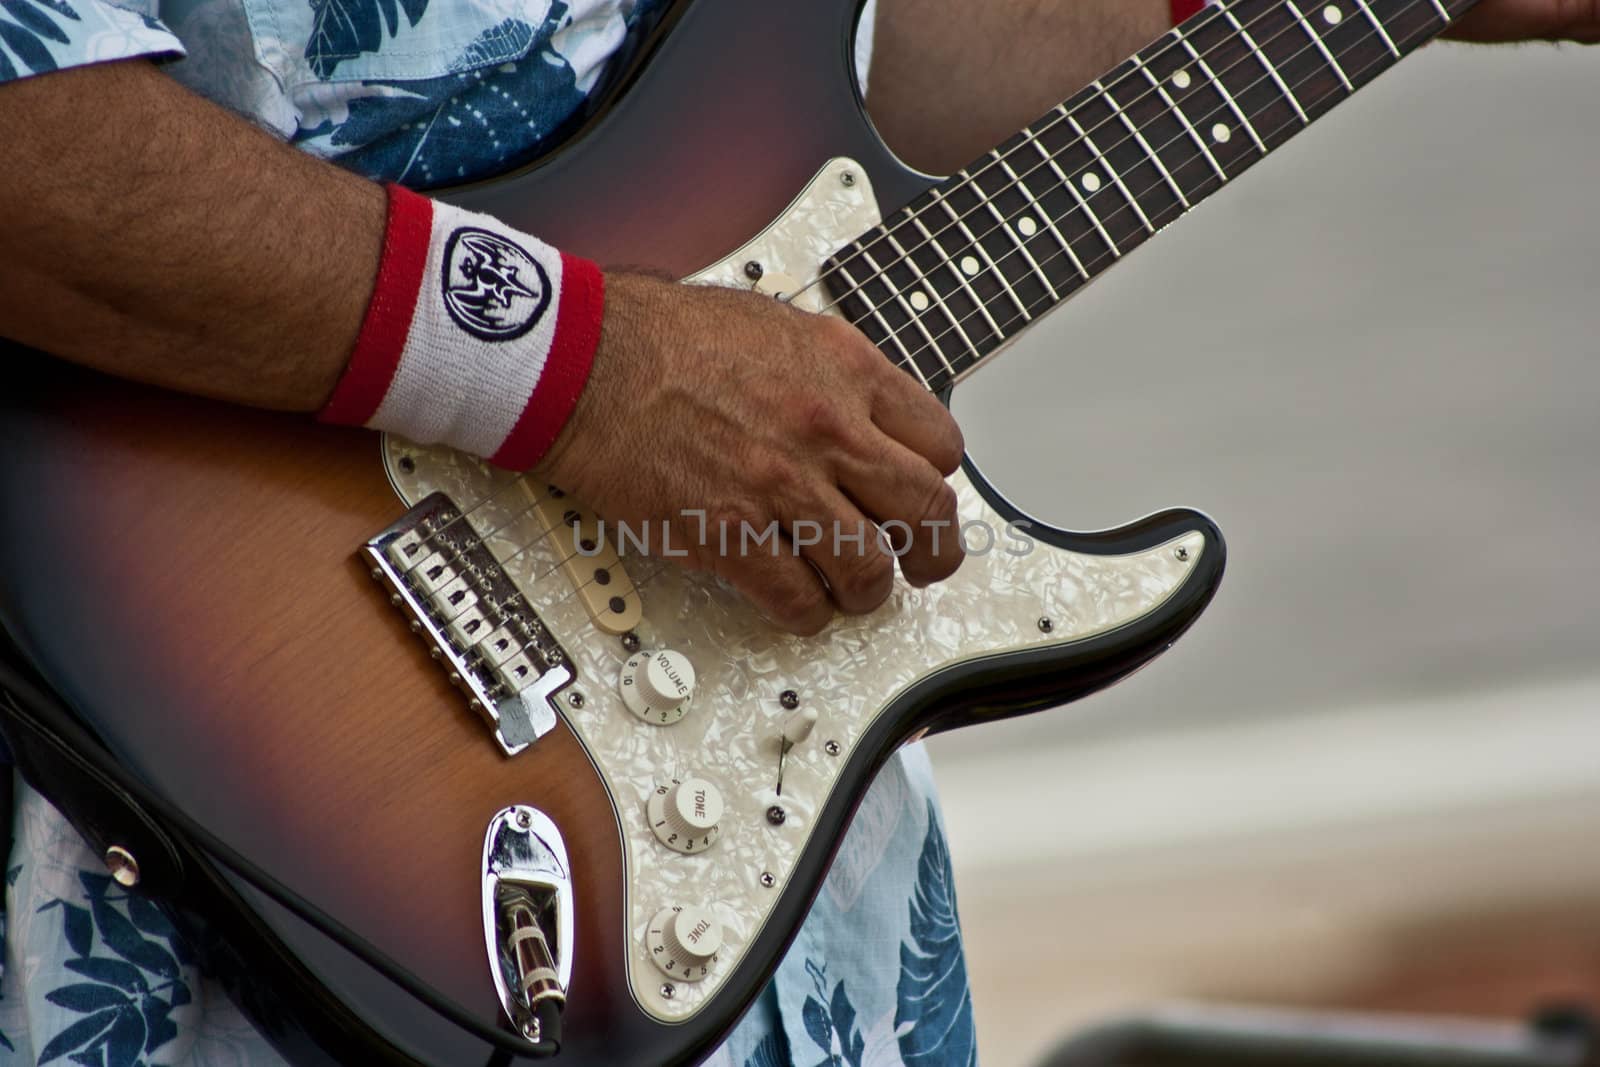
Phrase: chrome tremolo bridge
(480, 628)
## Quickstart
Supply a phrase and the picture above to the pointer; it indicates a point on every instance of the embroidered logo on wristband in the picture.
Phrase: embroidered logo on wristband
(476, 336)
(492, 287)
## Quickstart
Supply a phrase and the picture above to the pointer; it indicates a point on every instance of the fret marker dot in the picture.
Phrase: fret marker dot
(1332, 15)
(1026, 226)
(1181, 79)
(1220, 133)
(969, 264)
(1091, 181)
(919, 300)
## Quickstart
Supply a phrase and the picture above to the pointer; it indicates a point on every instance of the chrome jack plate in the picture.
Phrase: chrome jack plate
(527, 913)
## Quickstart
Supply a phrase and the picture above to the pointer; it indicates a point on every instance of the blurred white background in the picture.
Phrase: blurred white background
(1370, 776)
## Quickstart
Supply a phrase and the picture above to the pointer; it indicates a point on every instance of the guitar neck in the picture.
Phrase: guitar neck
(945, 281)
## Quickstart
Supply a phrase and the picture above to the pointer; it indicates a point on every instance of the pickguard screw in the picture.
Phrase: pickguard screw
(575, 699)
(789, 699)
(1182, 553)
(767, 880)
(847, 178)
(831, 748)
(776, 815)
(524, 820)
(667, 991)
(630, 641)
(754, 271)
(1045, 626)
(408, 465)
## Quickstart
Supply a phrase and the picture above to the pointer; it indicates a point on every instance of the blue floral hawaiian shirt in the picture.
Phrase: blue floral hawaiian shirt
(427, 93)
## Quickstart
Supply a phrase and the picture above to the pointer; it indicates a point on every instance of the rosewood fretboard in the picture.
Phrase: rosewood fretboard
(947, 279)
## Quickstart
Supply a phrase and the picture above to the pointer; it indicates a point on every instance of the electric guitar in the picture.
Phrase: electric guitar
(445, 766)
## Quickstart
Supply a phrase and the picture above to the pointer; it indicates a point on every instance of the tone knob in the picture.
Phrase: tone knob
(657, 686)
(684, 815)
(684, 942)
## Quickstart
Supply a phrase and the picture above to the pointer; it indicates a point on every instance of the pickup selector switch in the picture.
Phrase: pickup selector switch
(684, 942)
(657, 686)
(684, 815)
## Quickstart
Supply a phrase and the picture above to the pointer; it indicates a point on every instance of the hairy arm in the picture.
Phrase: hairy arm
(151, 235)
(154, 236)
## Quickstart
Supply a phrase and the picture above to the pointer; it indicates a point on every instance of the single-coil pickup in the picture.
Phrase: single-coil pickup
(442, 574)
(589, 560)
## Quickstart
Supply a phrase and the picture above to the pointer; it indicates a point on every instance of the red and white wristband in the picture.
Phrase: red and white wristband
(477, 336)
(1183, 10)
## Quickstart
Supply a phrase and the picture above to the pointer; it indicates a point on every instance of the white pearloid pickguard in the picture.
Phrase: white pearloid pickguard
(850, 673)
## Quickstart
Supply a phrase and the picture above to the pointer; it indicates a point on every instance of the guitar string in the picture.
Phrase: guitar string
(578, 588)
(1118, 112)
(1215, 13)
(641, 582)
(1027, 311)
(1212, 14)
(909, 361)
(1191, 133)
(476, 539)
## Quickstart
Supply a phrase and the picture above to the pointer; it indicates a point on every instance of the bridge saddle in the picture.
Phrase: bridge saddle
(478, 625)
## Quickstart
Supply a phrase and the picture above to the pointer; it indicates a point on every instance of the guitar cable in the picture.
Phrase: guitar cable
(26, 695)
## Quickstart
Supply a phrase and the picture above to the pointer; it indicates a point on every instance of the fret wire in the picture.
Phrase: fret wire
(862, 242)
(1205, 68)
(1376, 25)
(1114, 254)
(1194, 134)
(890, 333)
(1143, 144)
(911, 313)
(1050, 223)
(1082, 204)
(939, 299)
(1207, 16)
(1222, 89)
(955, 272)
(961, 224)
(1003, 223)
(1316, 39)
(1437, 6)
(1266, 62)
(1116, 176)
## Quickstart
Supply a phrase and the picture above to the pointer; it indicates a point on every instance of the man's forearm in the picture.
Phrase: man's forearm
(153, 235)
(949, 84)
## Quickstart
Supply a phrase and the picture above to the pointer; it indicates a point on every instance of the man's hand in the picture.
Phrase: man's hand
(734, 405)
(1522, 20)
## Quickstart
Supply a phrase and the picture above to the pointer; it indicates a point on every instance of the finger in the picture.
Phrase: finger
(907, 412)
(842, 543)
(916, 507)
(781, 585)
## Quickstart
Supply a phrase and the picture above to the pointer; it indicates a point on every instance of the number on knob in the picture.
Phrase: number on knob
(657, 686)
(684, 815)
(684, 941)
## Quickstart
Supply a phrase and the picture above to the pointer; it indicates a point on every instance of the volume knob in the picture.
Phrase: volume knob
(684, 941)
(684, 815)
(657, 686)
